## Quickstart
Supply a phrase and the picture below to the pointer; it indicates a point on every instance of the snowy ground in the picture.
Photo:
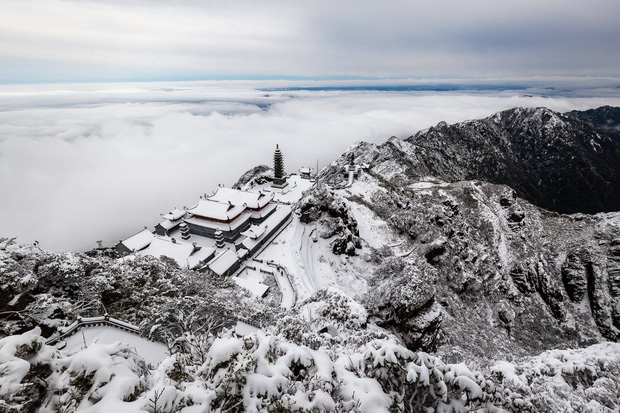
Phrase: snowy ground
(290, 193)
(310, 262)
(252, 280)
(153, 353)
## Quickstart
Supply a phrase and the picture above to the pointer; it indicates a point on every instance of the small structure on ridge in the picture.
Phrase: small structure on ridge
(352, 170)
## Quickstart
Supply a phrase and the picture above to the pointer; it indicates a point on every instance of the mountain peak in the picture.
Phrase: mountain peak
(551, 159)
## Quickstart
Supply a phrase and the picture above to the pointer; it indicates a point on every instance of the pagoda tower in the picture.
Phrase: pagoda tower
(219, 239)
(279, 179)
(184, 231)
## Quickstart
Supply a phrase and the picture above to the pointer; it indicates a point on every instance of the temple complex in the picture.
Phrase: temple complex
(223, 229)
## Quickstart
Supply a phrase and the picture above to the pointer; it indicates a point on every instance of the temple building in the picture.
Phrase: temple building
(171, 221)
(216, 234)
(136, 242)
(230, 211)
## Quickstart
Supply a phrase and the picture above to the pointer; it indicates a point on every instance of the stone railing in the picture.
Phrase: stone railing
(85, 322)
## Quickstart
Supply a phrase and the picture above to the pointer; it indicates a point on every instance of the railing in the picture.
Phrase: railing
(86, 322)
(288, 276)
(264, 245)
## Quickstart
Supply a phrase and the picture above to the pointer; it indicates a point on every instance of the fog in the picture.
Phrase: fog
(81, 163)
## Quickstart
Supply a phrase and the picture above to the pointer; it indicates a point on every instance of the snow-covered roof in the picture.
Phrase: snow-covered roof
(199, 256)
(175, 214)
(167, 224)
(292, 193)
(249, 243)
(185, 254)
(221, 263)
(274, 219)
(209, 208)
(164, 246)
(253, 286)
(264, 212)
(278, 216)
(254, 231)
(220, 225)
(251, 199)
(139, 241)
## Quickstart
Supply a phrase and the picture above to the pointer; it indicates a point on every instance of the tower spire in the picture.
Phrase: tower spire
(279, 178)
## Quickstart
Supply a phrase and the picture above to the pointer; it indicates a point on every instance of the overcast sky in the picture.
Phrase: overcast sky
(61, 41)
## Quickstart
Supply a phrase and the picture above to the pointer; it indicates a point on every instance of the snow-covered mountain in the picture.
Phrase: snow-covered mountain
(429, 281)
(550, 159)
(605, 119)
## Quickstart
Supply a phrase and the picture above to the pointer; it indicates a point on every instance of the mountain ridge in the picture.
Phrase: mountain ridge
(550, 159)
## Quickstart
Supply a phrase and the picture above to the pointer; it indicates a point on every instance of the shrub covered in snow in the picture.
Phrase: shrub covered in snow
(266, 372)
(49, 289)
(321, 205)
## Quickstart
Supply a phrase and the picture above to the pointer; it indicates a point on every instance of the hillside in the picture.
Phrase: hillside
(454, 261)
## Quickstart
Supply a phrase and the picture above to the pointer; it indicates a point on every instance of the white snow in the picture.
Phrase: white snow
(243, 328)
(153, 353)
(139, 241)
(175, 214)
(255, 231)
(216, 210)
(182, 252)
(223, 261)
(252, 285)
(289, 194)
(252, 199)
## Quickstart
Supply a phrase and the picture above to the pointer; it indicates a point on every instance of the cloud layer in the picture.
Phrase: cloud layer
(89, 162)
(65, 40)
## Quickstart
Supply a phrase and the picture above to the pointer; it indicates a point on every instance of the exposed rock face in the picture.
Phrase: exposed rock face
(255, 176)
(575, 277)
(335, 218)
(605, 119)
(507, 277)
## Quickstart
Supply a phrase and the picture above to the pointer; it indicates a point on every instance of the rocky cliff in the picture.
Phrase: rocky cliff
(475, 270)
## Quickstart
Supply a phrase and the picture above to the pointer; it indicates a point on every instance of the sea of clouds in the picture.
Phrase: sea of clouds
(88, 162)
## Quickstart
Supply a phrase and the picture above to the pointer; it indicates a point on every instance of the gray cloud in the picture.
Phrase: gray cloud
(56, 40)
